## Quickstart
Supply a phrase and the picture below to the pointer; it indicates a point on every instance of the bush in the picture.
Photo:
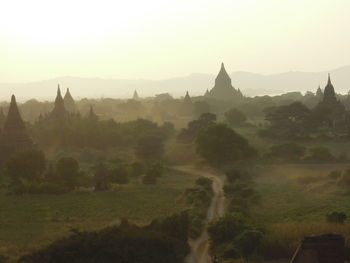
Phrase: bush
(226, 228)
(334, 175)
(321, 154)
(336, 217)
(233, 175)
(230, 251)
(248, 242)
(204, 182)
(126, 243)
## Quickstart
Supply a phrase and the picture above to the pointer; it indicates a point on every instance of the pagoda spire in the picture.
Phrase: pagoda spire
(14, 119)
(329, 93)
(223, 89)
(136, 95)
(59, 111)
(14, 136)
(92, 115)
(69, 102)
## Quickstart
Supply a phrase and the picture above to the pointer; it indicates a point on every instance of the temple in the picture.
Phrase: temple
(335, 116)
(135, 96)
(14, 136)
(69, 102)
(92, 115)
(319, 94)
(223, 89)
(329, 93)
(59, 111)
(187, 105)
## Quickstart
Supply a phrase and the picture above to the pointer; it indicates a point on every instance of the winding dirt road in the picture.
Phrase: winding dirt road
(200, 246)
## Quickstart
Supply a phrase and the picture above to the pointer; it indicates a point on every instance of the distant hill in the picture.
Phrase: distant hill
(251, 84)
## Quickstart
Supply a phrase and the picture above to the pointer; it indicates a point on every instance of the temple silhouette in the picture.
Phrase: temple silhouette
(223, 89)
(332, 109)
(14, 136)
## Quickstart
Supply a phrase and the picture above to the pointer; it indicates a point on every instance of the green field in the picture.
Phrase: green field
(290, 209)
(30, 221)
(285, 199)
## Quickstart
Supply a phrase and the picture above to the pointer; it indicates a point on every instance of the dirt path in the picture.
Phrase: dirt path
(200, 246)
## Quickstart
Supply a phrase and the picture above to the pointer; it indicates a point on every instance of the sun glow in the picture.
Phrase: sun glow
(166, 38)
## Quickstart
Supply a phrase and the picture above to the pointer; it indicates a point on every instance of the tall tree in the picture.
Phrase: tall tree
(220, 145)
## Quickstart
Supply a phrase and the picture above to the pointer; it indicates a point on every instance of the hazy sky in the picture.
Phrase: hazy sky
(155, 39)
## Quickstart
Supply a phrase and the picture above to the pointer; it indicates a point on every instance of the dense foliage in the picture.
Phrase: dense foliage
(220, 145)
(163, 241)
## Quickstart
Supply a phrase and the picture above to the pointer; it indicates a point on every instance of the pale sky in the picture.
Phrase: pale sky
(156, 39)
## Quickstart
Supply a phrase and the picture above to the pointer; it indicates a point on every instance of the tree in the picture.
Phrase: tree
(68, 171)
(220, 145)
(226, 228)
(336, 217)
(235, 117)
(101, 177)
(289, 120)
(26, 166)
(150, 148)
(120, 175)
(195, 126)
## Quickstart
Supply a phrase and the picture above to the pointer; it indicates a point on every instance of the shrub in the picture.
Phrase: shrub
(248, 242)
(334, 175)
(336, 217)
(126, 243)
(204, 182)
(226, 228)
(321, 154)
(233, 175)
(230, 251)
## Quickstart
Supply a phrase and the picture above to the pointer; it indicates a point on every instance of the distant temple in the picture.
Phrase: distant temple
(69, 102)
(14, 136)
(329, 93)
(332, 110)
(59, 111)
(92, 115)
(135, 96)
(319, 94)
(223, 89)
(187, 105)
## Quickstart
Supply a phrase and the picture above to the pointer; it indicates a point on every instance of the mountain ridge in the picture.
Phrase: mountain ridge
(251, 84)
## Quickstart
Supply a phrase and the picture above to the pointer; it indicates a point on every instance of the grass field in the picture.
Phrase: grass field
(30, 221)
(289, 210)
(285, 200)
